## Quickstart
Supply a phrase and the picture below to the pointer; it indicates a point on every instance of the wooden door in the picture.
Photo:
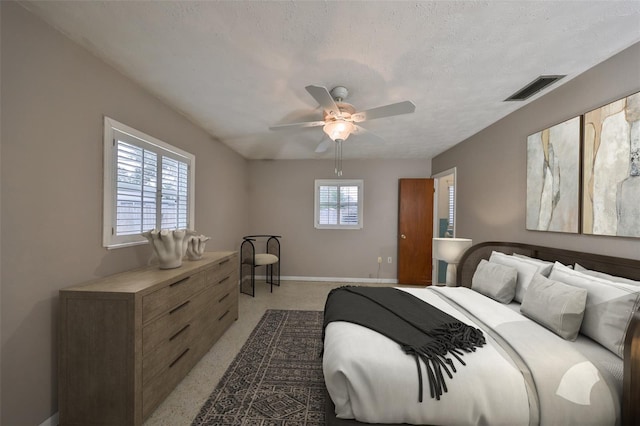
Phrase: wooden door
(415, 231)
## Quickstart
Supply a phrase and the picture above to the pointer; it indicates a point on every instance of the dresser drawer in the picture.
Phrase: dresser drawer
(163, 328)
(221, 271)
(157, 388)
(223, 314)
(160, 359)
(161, 373)
(225, 285)
(171, 296)
(195, 326)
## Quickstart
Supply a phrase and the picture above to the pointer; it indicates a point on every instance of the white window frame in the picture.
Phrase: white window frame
(338, 182)
(452, 206)
(113, 129)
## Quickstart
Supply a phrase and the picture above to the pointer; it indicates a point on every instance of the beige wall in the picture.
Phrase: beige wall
(282, 202)
(491, 165)
(54, 96)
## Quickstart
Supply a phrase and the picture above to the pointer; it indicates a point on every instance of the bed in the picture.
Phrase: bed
(526, 374)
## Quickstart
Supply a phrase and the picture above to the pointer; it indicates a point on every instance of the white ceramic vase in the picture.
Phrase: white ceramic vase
(169, 246)
(195, 247)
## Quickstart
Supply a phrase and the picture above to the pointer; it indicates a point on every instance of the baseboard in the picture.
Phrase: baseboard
(51, 421)
(335, 279)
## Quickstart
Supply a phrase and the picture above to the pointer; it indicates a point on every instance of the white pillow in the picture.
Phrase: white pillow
(598, 274)
(545, 267)
(495, 281)
(555, 305)
(610, 306)
(526, 270)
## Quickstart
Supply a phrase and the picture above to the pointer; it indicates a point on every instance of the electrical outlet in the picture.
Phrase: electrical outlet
(389, 259)
(379, 259)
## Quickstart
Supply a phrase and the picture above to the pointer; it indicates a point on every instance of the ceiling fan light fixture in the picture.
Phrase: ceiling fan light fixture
(339, 117)
(338, 129)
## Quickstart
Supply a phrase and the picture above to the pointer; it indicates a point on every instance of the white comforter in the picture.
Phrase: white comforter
(371, 379)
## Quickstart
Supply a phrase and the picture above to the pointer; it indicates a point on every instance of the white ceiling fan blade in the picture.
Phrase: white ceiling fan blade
(405, 107)
(323, 97)
(323, 146)
(297, 125)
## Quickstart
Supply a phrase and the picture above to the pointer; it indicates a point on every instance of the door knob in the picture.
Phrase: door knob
(404, 237)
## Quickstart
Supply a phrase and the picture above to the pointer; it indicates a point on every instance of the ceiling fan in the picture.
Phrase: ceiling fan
(340, 118)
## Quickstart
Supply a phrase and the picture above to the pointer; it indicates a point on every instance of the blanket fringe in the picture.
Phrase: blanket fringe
(449, 340)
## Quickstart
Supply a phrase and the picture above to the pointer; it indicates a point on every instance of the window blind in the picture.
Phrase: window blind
(174, 194)
(348, 205)
(329, 206)
(339, 203)
(136, 188)
(148, 185)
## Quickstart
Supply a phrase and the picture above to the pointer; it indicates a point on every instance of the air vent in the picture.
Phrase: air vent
(534, 87)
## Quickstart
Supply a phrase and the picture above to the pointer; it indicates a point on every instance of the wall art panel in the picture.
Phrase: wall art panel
(553, 178)
(611, 180)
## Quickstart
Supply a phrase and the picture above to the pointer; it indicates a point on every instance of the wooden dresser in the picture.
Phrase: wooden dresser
(128, 339)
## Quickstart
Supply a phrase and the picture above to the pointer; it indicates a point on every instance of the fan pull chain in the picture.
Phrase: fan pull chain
(338, 157)
(335, 157)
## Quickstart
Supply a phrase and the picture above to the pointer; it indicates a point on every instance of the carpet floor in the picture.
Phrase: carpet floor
(276, 378)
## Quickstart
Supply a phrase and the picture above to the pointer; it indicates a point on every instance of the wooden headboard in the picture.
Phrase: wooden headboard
(621, 267)
(627, 268)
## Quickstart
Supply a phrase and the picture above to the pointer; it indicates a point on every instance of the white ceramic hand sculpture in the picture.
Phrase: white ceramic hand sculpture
(168, 246)
(185, 243)
(195, 248)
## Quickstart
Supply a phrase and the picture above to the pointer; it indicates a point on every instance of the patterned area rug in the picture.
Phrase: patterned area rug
(276, 379)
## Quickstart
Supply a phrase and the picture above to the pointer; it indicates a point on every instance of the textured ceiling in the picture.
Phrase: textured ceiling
(237, 67)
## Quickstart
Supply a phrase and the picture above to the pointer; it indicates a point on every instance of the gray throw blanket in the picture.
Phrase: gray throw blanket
(421, 329)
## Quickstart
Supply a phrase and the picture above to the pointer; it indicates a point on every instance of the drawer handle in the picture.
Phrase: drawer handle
(177, 308)
(179, 282)
(223, 315)
(223, 262)
(223, 280)
(224, 297)
(179, 332)
(179, 356)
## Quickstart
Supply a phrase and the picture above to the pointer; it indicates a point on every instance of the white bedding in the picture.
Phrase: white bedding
(371, 379)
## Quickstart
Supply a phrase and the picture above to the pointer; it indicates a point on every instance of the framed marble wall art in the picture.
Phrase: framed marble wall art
(553, 178)
(611, 178)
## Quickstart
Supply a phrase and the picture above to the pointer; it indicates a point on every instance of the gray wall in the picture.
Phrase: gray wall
(54, 96)
(491, 165)
(282, 202)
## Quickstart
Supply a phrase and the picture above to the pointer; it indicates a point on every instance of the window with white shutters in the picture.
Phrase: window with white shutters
(148, 185)
(338, 204)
